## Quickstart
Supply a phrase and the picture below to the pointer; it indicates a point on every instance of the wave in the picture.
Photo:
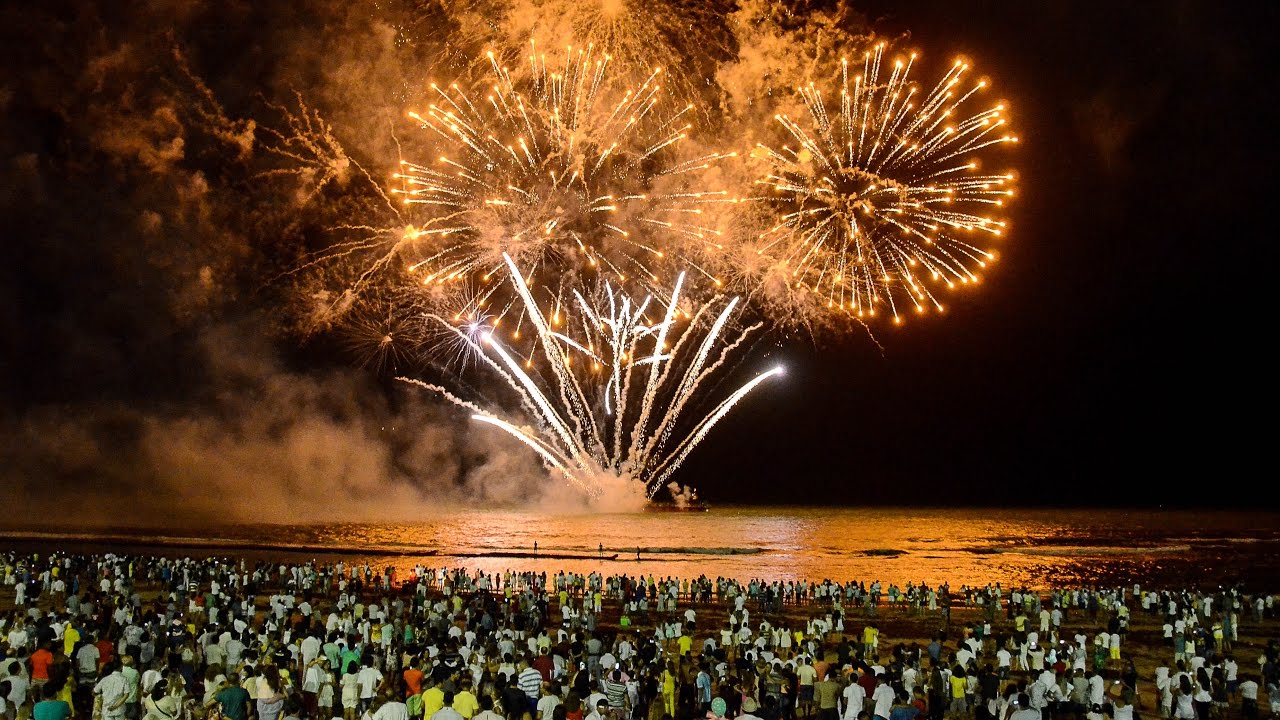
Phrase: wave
(1075, 551)
(702, 550)
(213, 544)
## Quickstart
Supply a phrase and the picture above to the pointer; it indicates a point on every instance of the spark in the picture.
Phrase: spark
(560, 173)
(878, 196)
(614, 398)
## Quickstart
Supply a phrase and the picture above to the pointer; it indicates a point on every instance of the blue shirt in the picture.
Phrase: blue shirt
(704, 687)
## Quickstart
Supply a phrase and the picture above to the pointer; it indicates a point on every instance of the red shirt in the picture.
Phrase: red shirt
(40, 662)
(545, 665)
(413, 679)
(106, 651)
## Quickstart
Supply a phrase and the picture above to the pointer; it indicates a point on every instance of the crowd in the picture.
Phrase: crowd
(110, 637)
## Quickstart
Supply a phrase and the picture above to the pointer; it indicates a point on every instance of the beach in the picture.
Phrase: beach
(899, 626)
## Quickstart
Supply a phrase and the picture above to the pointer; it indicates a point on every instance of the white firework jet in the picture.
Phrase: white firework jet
(612, 390)
(880, 198)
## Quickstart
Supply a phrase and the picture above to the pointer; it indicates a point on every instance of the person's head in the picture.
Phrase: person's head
(602, 707)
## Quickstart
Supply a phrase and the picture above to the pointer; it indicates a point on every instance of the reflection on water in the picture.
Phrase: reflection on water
(1035, 548)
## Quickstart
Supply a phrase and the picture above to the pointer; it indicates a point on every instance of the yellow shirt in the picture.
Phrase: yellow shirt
(70, 637)
(686, 644)
(432, 700)
(466, 704)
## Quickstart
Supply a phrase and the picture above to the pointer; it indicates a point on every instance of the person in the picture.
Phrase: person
(1248, 689)
(447, 712)
(749, 708)
(391, 709)
(702, 684)
(350, 693)
(270, 698)
(854, 696)
(1020, 708)
(718, 709)
(113, 691)
(826, 695)
(615, 691)
(50, 707)
(548, 703)
(903, 708)
(806, 674)
(529, 681)
(233, 699)
(958, 683)
(40, 661)
(600, 711)
(883, 697)
(166, 708)
(486, 709)
(370, 680)
(464, 701)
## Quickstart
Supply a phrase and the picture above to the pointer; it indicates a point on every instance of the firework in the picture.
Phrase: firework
(559, 172)
(879, 197)
(611, 390)
(690, 36)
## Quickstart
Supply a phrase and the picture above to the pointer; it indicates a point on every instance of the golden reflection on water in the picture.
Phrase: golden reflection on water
(1032, 548)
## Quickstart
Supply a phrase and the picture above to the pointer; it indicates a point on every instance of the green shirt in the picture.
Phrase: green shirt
(234, 701)
(51, 710)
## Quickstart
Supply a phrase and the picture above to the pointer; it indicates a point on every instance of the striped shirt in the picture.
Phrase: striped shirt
(530, 682)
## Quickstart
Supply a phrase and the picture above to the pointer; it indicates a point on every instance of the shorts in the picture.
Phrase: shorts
(806, 693)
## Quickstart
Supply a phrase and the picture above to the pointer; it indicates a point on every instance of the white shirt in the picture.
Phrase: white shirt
(445, 713)
(394, 710)
(883, 697)
(114, 690)
(368, 678)
(854, 695)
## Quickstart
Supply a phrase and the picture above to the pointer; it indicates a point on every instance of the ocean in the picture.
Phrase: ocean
(1033, 548)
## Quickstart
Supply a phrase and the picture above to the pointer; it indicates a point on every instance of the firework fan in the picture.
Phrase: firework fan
(566, 176)
(611, 392)
(878, 195)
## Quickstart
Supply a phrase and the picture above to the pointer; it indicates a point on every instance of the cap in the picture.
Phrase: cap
(719, 707)
(749, 705)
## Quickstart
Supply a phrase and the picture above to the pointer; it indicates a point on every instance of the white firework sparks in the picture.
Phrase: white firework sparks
(613, 389)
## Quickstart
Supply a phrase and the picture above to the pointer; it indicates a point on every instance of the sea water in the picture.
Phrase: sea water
(1034, 548)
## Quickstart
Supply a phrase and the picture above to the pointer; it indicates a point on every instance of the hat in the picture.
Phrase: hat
(749, 705)
(719, 707)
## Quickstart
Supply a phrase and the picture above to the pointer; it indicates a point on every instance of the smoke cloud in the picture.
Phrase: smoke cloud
(165, 167)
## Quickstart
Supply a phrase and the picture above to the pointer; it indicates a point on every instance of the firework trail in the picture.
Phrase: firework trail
(612, 390)
(564, 175)
(878, 197)
(690, 36)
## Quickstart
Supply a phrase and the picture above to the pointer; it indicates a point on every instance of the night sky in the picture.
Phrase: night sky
(1115, 355)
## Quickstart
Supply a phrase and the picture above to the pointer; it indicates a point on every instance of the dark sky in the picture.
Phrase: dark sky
(1115, 354)
(1118, 347)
